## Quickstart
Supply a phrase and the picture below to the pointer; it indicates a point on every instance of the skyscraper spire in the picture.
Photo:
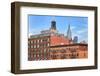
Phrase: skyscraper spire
(69, 33)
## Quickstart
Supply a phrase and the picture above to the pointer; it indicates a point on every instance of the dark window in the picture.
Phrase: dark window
(63, 51)
(54, 51)
(63, 56)
(54, 56)
(73, 55)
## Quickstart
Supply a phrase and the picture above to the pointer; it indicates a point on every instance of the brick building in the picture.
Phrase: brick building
(50, 44)
(38, 47)
(71, 51)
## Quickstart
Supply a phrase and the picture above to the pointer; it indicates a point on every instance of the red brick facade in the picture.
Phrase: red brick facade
(38, 48)
(55, 47)
(57, 40)
(72, 51)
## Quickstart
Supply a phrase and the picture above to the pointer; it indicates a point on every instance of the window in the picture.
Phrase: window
(34, 55)
(48, 44)
(63, 51)
(38, 46)
(73, 50)
(34, 46)
(41, 40)
(31, 56)
(34, 41)
(37, 41)
(73, 55)
(31, 42)
(54, 57)
(44, 50)
(31, 46)
(37, 55)
(44, 40)
(63, 56)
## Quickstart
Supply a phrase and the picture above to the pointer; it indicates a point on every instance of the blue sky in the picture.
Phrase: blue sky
(78, 25)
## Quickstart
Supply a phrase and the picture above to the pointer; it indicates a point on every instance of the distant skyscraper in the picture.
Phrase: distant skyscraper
(75, 40)
(52, 30)
(53, 26)
(69, 34)
(53, 23)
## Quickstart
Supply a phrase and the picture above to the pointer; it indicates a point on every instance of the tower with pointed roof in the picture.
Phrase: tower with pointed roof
(69, 33)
